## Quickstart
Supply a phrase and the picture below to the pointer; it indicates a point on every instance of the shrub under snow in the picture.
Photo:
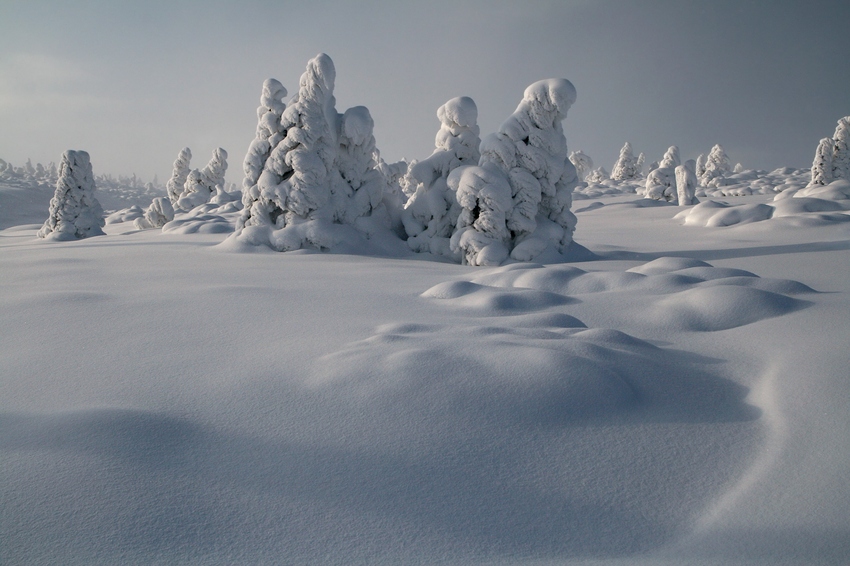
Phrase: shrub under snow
(74, 210)
(201, 185)
(582, 162)
(661, 182)
(626, 166)
(518, 199)
(717, 167)
(432, 210)
(157, 215)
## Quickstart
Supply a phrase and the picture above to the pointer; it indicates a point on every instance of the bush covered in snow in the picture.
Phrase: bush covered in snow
(201, 185)
(717, 167)
(518, 199)
(832, 157)
(626, 166)
(157, 215)
(180, 173)
(661, 181)
(582, 162)
(74, 210)
(432, 210)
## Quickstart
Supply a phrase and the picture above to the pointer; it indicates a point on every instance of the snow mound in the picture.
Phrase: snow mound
(128, 214)
(199, 224)
(666, 265)
(493, 301)
(714, 214)
(717, 307)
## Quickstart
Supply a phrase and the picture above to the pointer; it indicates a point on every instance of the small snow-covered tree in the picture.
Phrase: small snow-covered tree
(717, 167)
(269, 131)
(738, 168)
(432, 210)
(626, 166)
(201, 185)
(157, 215)
(74, 211)
(530, 151)
(641, 160)
(180, 173)
(671, 158)
(700, 166)
(822, 165)
(841, 150)
(582, 162)
(598, 175)
(686, 185)
(360, 185)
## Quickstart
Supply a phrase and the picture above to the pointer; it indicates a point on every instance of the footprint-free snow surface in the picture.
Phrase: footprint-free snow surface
(682, 398)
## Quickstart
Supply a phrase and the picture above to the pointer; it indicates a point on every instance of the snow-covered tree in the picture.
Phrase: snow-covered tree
(841, 150)
(626, 166)
(738, 168)
(529, 156)
(359, 185)
(582, 162)
(431, 212)
(180, 173)
(269, 131)
(641, 160)
(822, 165)
(157, 215)
(700, 166)
(686, 185)
(717, 167)
(74, 210)
(201, 185)
(671, 158)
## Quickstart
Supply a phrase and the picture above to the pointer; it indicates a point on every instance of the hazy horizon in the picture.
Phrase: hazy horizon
(133, 84)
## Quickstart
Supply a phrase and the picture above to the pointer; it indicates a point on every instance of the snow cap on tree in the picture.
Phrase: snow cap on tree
(582, 162)
(717, 167)
(671, 158)
(686, 185)
(359, 185)
(201, 185)
(822, 165)
(432, 210)
(157, 215)
(269, 131)
(484, 195)
(74, 210)
(180, 173)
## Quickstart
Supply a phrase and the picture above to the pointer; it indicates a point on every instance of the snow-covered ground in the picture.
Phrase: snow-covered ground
(678, 398)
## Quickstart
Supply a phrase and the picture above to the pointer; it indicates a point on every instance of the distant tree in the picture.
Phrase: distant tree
(822, 169)
(626, 166)
(717, 167)
(841, 150)
(671, 158)
(157, 215)
(74, 211)
(686, 184)
(700, 166)
(201, 185)
(582, 162)
(180, 173)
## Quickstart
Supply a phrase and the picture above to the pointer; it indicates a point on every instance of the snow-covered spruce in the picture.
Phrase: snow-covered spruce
(661, 182)
(529, 156)
(822, 165)
(841, 150)
(686, 184)
(157, 215)
(700, 166)
(582, 162)
(320, 175)
(74, 210)
(269, 132)
(431, 212)
(626, 166)
(717, 168)
(180, 173)
(598, 175)
(202, 185)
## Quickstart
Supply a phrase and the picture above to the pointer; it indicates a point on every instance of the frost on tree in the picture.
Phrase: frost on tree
(432, 210)
(201, 185)
(597, 176)
(661, 182)
(626, 166)
(321, 173)
(180, 173)
(717, 168)
(841, 150)
(528, 155)
(582, 162)
(74, 210)
(700, 166)
(157, 215)
(822, 165)
(686, 185)
(269, 132)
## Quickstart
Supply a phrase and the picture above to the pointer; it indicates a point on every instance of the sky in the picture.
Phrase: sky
(134, 82)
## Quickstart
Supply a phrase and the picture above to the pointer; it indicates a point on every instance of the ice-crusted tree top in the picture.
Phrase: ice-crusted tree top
(582, 162)
(217, 167)
(459, 130)
(269, 130)
(841, 150)
(175, 184)
(822, 165)
(671, 158)
(626, 165)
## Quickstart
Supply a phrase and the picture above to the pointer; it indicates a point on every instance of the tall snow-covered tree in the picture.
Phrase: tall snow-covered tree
(700, 166)
(359, 185)
(626, 166)
(841, 150)
(180, 173)
(528, 155)
(431, 212)
(822, 165)
(269, 131)
(74, 211)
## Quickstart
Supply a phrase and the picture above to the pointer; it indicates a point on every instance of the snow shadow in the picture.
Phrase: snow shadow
(141, 487)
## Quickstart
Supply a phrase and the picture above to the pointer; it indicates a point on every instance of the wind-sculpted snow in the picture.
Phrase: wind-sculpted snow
(74, 211)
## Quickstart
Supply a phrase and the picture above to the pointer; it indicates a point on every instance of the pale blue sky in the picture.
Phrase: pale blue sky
(133, 82)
